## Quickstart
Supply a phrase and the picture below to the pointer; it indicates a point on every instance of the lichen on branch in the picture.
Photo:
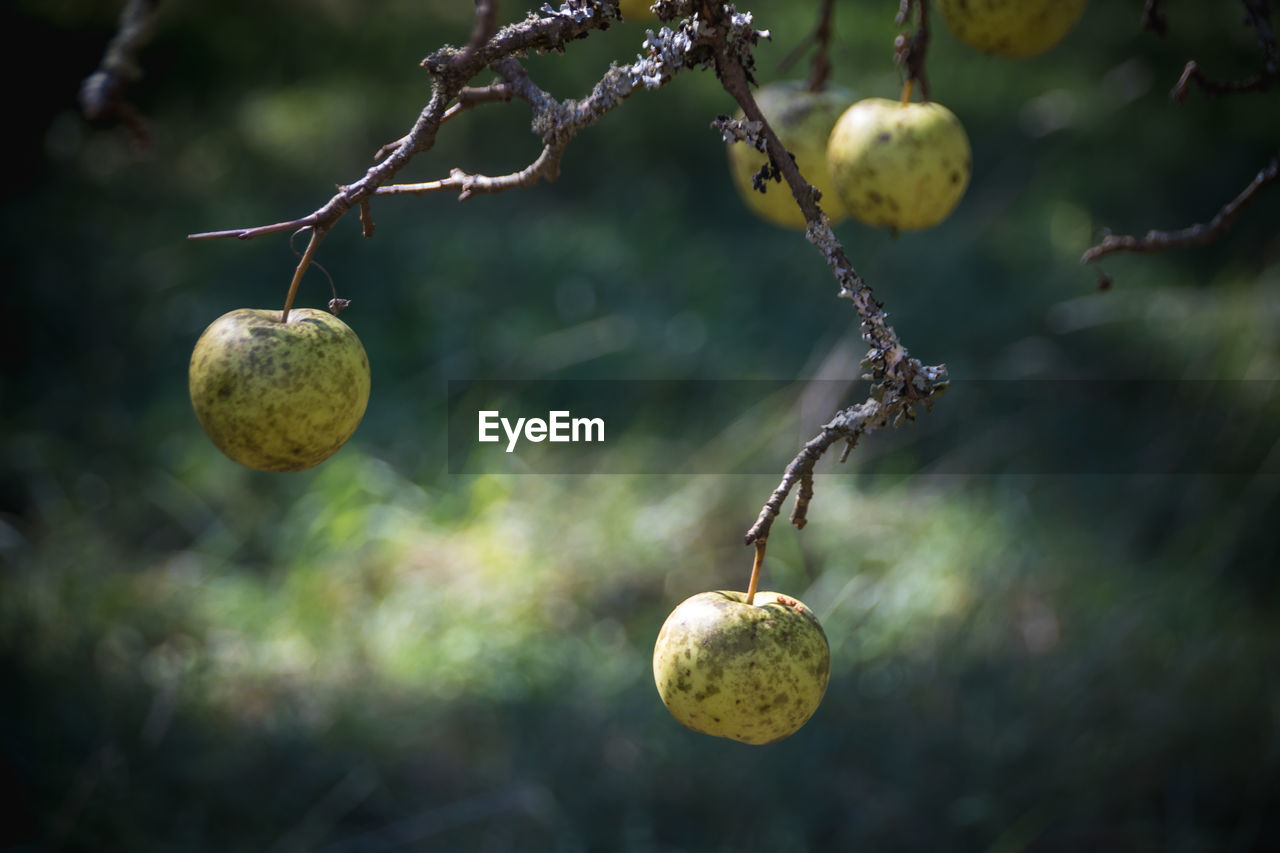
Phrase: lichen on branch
(899, 380)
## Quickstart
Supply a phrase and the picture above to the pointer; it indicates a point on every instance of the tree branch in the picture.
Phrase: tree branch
(545, 168)
(102, 94)
(1199, 234)
(899, 380)
(820, 39)
(486, 24)
(557, 122)
(468, 97)
(1258, 16)
(450, 69)
(909, 52)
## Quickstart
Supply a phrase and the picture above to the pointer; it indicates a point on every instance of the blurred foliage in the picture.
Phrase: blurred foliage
(379, 654)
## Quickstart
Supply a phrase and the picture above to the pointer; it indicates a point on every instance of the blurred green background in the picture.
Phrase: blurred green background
(382, 655)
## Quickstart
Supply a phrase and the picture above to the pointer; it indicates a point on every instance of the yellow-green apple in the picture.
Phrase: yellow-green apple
(636, 10)
(279, 396)
(899, 165)
(751, 672)
(1011, 28)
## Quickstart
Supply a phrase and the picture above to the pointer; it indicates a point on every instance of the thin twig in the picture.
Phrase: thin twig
(799, 470)
(1258, 16)
(1194, 235)
(486, 24)
(1191, 74)
(258, 230)
(102, 94)
(545, 167)
(820, 39)
(799, 512)
(909, 51)
(468, 97)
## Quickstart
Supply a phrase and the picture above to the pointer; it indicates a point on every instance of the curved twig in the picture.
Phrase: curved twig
(468, 97)
(1258, 16)
(102, 94)
(820, 39)
(1193, 235)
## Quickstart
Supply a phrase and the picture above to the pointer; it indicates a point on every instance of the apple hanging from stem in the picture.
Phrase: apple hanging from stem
(752, 667)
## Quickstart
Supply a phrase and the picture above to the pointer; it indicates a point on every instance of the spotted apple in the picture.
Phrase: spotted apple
(279, 396)
(636, 10)
(899, 165)
(1011, 28)
(754, 672)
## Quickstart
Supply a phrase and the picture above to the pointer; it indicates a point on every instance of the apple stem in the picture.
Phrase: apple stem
(317, 234)
(755, 571)
(907, 87)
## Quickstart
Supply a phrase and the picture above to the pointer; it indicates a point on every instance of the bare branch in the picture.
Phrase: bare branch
(1194, 235)
(1258, 16)
(1191, 74)
(545, 168)
(799, 513)
(909, 51)
(557, 122)
(102, 94)
(258, 230)
(451, 69)
(468, 97)
(899, 379)
(486, 25)
(799, 470)
(820, 38)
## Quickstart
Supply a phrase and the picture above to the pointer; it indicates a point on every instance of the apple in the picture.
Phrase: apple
(803, 121)
(750, 672)
(899, 165)
(279, 396)
(1011, 28)
(636, 10)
